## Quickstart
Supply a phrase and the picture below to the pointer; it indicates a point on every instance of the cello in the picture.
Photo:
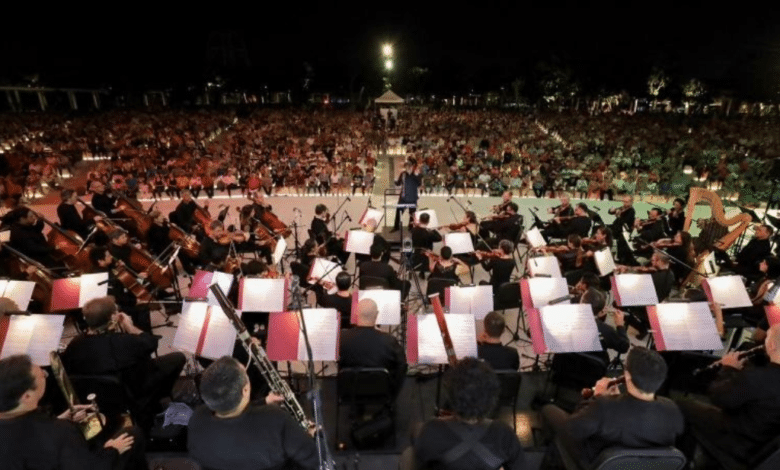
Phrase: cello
(139, 222)
(40, 275)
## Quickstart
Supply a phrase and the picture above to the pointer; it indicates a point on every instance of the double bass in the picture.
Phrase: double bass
(139, 222)
(40, 275)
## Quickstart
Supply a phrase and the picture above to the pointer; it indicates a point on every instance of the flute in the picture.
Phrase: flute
(743, 355)
(589, 392)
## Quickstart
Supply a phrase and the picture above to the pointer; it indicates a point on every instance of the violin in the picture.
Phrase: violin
(458, 226)
(230, 237)
(495, 254)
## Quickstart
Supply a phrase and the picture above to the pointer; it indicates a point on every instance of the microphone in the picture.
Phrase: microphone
(561, 299)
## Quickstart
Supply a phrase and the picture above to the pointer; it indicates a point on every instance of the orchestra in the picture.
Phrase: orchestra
(144, 266)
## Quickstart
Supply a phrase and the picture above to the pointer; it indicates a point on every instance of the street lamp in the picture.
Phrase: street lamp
(387, 50)
(389, 64)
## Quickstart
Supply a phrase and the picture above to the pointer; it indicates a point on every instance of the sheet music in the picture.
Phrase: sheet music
(35, 335)
(636, 290)
(263, 295)
(433, 222)
(322, 267)
(604, 261)
(545, 289)
(322, 324)
(474, 300)
(224, 281)
(546, 265)
(459, 242)
(729, 291)
(281, 247)
(688, 326)
(220, 335)
(91, 287)
(372, 213)
(359, 241)
(535, 238)
(18, 291)
(430, 345)
(570, 328)
(709, 264)
(387, 301)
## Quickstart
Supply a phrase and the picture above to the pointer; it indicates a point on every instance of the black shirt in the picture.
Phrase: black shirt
(185, 212)
(320, 230)
(507, 228)
(652, 231)
(578, 226)
(103, 203)
(108, 353)
(37, 441)
(260, 438)
(121, 253)
(626, 219)
(30, 241)
(752, 253)
(500, 271)
(70, 219)
(663, 280)
(365, 346)
(343, 305)
(212, 252)
(439, 436)
(499, 357)
(424, 238)
(625, 421)
(378, 269)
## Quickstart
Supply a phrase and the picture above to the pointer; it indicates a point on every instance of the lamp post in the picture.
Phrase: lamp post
(387, 57)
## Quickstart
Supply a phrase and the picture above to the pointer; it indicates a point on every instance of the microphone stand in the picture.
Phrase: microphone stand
(324, 456)
(458, 203)
(333, 217)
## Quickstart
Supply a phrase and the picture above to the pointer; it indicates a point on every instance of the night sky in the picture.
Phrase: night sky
(482, 46)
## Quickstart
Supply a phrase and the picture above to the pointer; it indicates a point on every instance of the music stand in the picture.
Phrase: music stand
(544, 266)
(728, 291)
(18, 291)
(683, 327)
(634, 290)
(567, 328)
(425, 344)
(74, 292)
(263, 295)
(388, 303)
(33, 334)
(474, 300)
(459, 242)
(605, 263)
(286, 338)
(204, 330)
(535, 238)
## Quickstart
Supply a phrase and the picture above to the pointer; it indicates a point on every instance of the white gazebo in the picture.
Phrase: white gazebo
(389, 98)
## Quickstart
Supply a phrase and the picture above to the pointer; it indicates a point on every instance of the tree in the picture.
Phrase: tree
(694, 90)
(517, 85)
(656, 82)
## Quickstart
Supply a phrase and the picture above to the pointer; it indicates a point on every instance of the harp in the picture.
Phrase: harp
(730, 229)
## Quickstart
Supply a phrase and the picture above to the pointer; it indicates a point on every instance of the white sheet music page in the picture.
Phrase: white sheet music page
(475, 300)
(544, 265)
(433, 222)
(688, 326)
(359, 241)
(372, 213)
(322, 324)
(459, 242)
(35, 335)
(535, 238)
(570, 328)
(263, 295)
(545, 289)
(326, 268)
(604, 261)
(190, 323)
(729, 291)
(636, 290)
(224, 281)
(387, 301)
(20, 292)
(281, 246)
(430, 345)
(463, 332)
(221, 335)
(91, 287)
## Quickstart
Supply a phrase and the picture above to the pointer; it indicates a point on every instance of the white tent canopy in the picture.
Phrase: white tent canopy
(389, 98)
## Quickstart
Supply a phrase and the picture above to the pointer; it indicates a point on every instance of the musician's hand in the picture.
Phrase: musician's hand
(274, 399)
(143, 275)
(732, 360)
(98, 218)
(619, 317)
(312, 429)
(80, 413)
(124, 321)
(557, 220)
(602, 388)
(122, 444)
(30, 269)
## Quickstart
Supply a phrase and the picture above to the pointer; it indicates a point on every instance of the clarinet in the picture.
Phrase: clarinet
(743, 355)
(260, 358)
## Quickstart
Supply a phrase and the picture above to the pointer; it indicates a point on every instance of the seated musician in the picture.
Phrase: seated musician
(184, 214)
(158, 234)
(113, 345)
(489, 347)
(506, 198)
(341, 300)
(563, 226)
(69, 216)
(648, 231)
(229, 433)
(376, 269)
(259, 205)
(675, 217)
(614, 338)
(501, 267)
(663, 281)
(467, 440)
(119, 245)
(423, 238)
(571, 256)
(323, 235)
(370, 225)
(680, 250)
(610, 418)
(624, 220)
(27, 236)
(104, 262)
(101, 201)
(445, 266)
(33, 439)
(562, 210)
(747, 258)
(365, 346)
(506, 227)
(214, 249)
(745, 410)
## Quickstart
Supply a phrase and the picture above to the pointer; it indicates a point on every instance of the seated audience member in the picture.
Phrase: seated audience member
(490, 349)
(112, 344)
(229, 433)
(468, 439)
(31, 439)
(745, 411)
(636, 419)
(365, 346)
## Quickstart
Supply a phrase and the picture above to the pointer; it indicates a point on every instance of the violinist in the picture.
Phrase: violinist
(624, 221)
(601, 239)
(506, 228)
(676, 217)
(564, 209)
(468, 223)
(423, 238)
(215, 249)
(663, 281)
(500, 267)
(69, 216)
(563, 226)
(27, 237)
(259, 205)
(506, 198)
(341, 300)
(680, 247)
(323, 235)
(184, 214)
(101, 201)
(445, 266)
(104, 262)
(649, 230)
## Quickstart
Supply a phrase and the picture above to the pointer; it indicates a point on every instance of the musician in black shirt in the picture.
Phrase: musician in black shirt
(624, 221)
(648, 231)
(27, 237)
(563, 226)
(747, 259)
(506, 227)
(341, 300)
(423, 238)
(119, 247)
(213, 249)
(101, 201)
(376, 270)
(489, 347)
(70, 219)
(32, 439)
(323, 235)
(610, 419)
(500, 268)
(229, 433)
(103, 262)
(745, 411)
(184, 214)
